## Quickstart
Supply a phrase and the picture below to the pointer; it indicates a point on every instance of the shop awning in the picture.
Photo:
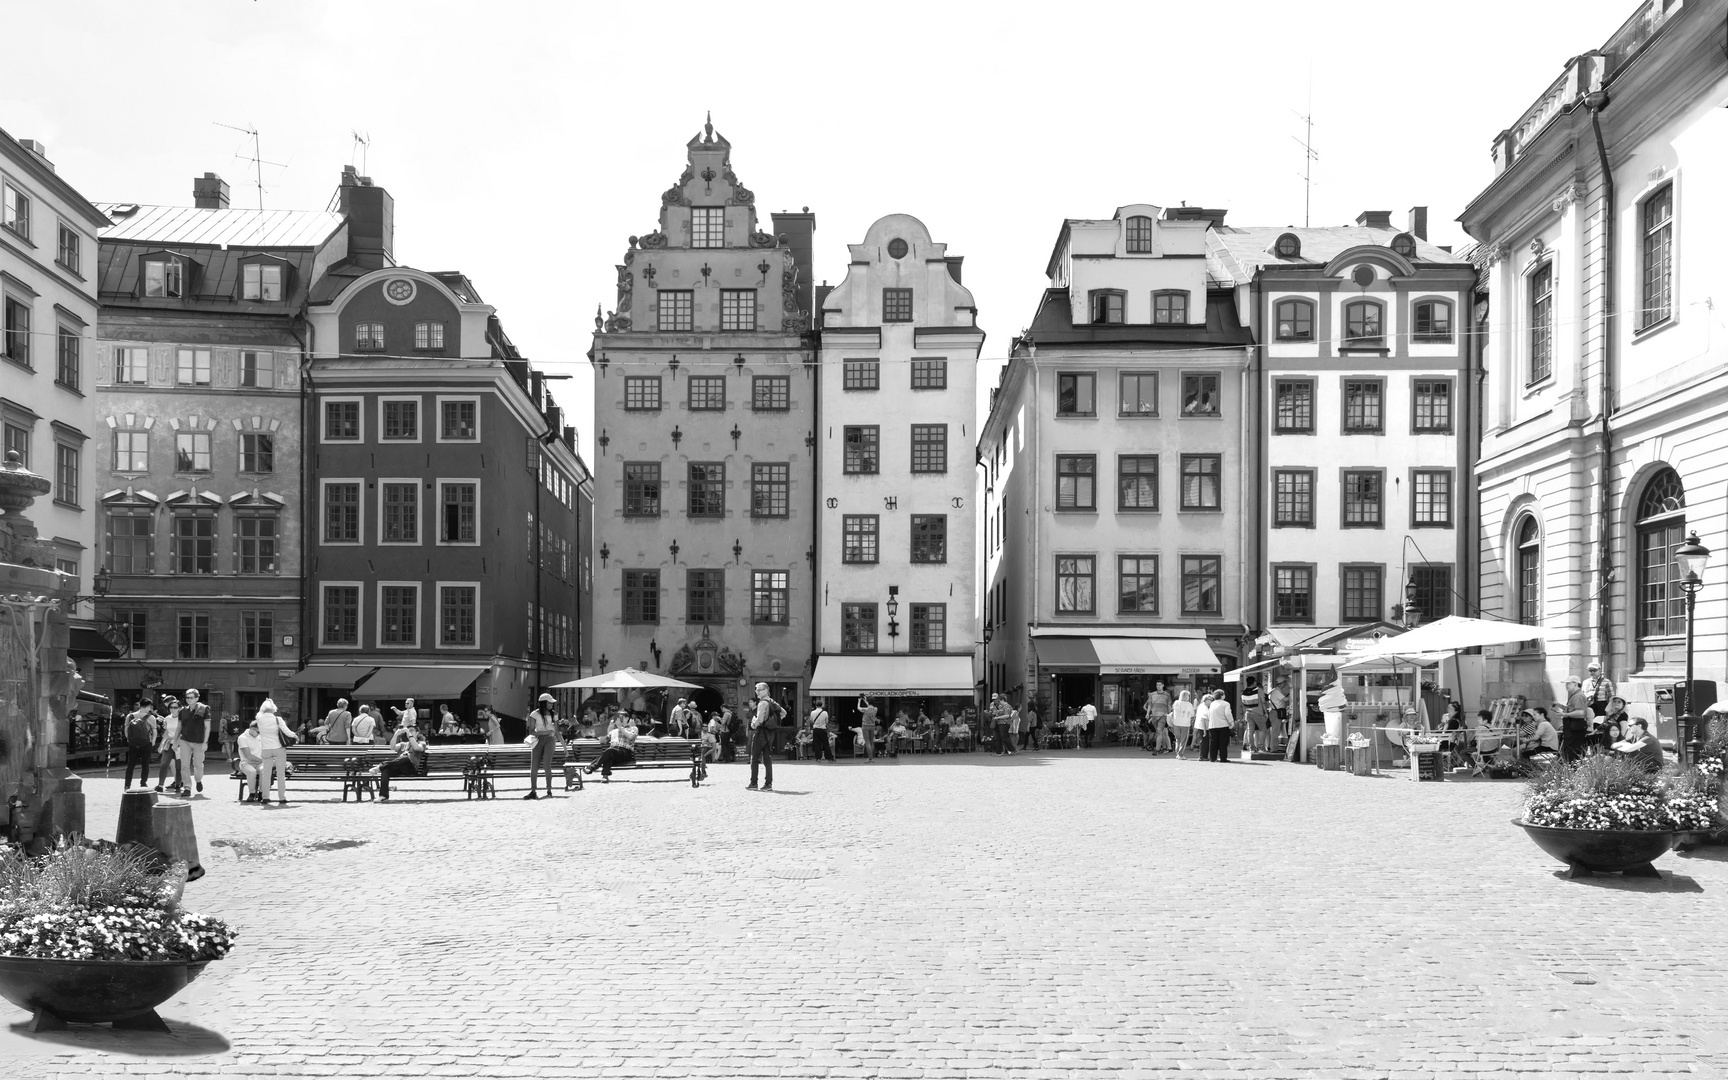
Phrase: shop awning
(86, 642)
(420, 682)
(1155, 656)
(334, 676)
(1235, 674)
(1066, 652)
(892, 676)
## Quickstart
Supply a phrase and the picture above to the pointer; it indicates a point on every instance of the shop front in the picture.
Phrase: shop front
(1117, 672)
(932, 686)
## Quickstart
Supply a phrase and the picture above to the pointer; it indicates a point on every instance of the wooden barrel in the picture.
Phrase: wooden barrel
(171, 822)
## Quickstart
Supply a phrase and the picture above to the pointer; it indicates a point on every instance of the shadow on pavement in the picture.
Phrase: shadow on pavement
(1670, 882)
(1709, 853)
(186, 1040)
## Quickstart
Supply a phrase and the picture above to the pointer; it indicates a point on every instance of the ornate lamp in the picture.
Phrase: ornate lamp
(1690, 558)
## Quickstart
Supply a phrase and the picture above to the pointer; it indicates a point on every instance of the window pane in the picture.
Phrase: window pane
(1137, 577)
(1076, 482)
(929, 538)
(1138, 394)
(676, 309)
(929, 448)
(771, 393)
(1202, 584)
(1137, 482)
(861, 445)
(1362, 405)
(1294, 406)
(737, 309)
(1200, 395)
(896, 305)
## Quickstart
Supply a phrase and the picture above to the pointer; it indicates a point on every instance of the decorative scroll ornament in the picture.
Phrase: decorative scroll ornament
(1568, 195)
(655, 239)
(741, 195)
(674, 195)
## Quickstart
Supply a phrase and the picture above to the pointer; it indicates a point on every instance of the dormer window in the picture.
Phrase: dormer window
(1170, 307)
(261, 281)
(164, 277)
(1107, 306)
(1405, 245)
(1288, 246)
(1139, 235)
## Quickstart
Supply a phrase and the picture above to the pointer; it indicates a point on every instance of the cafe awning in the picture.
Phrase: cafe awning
(86, 642)
(420, 682)
(1154, 656)
(1066, 652)
(334, 676)
(1235, 674)
(892, 676)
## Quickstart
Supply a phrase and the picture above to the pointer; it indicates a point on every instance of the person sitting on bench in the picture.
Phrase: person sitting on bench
(251, 760)
(622, 736)
(410, 759)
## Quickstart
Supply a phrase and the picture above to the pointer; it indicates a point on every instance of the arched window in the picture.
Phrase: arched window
(1661, 527)
(1529, 557)
(1405, 245)
(1432, 321)
(1288, 246)
(1364, 326)
(1139, 235)
(1295, 319)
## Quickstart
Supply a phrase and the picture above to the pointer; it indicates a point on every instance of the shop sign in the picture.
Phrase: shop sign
(1125, 669)
(283, 673)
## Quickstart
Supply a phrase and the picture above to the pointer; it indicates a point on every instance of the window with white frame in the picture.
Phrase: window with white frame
(342, 420)
(131, 451)
(339, 616)
(258, 369)
(458, 419)
(459, 511)
(399, 419)
(1656, 257)
(192, 367)
(707, 226)
(341, 512)
(1541, 308)
(399, 511)
(458, 608)
(164, 278)
(429, 335)
(256, 536)
(192, 451)
(261, 281)
(131, 365)
(369, 337)
(15, 211)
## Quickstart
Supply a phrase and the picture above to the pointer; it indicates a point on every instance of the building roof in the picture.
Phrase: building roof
(1234, 254)
(1054, 325)
(218, 228)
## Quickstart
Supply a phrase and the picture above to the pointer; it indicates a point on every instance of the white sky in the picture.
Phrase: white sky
(524, 142)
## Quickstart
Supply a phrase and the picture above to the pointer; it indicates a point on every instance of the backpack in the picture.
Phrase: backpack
(137, 732)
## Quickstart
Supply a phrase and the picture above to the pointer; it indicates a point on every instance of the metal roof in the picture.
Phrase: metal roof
(220, 228)
(1235, 252)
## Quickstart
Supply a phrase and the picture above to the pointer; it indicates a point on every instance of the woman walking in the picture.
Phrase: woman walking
(274, 738)
(168, 748)
(1182, 722)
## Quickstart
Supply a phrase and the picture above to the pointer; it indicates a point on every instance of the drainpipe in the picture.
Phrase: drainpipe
(307, 451)
(1595, 102)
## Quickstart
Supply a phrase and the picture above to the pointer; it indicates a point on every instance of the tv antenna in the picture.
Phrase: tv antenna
(1309, 156)
(258, 162)
(362, 142)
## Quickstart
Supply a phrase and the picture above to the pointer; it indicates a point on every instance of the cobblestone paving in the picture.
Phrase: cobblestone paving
(1076, 914)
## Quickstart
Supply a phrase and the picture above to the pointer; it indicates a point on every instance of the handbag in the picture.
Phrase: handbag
(288, 737)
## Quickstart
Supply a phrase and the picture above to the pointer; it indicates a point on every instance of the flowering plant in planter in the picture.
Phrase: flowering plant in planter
(1609, 792)
(83, 902)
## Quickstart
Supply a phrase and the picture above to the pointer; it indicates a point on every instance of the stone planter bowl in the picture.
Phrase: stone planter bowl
(1629, 851)
(120, 992)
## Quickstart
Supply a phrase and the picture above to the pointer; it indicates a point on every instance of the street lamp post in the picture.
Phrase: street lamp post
(1690, 558)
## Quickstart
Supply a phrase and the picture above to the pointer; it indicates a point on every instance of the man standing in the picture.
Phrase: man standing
(1598, 689)
(1091, 716)
(338, 724)
(819, 731)
(1218, 723)
(194, 739)
(765, 717)
(140, 737)
(867, 727)
(1575, 716)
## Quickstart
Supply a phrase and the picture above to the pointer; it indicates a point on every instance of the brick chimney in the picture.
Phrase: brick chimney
(1375, 219)
(371, 214)
(209, 192)
(1418, 222)
(35, 147)
(800, 232)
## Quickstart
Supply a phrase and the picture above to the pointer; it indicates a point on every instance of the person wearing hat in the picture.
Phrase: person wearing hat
(543, 733)
(1598, 690)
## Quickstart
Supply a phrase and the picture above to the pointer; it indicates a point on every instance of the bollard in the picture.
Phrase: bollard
(135, 826)
(171, 823)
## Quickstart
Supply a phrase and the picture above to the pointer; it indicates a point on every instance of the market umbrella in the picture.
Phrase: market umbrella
(1453, 633)
(624, 679)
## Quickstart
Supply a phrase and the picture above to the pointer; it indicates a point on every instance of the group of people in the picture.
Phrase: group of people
(175, 733)
(364, 724)
(1202, 721)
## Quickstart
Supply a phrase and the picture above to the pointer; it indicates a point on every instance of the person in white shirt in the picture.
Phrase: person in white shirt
(819, 731)
(1182, 716)
(272, 751)
(168, 748)
(867, 727)
(251, 760)
(364, 725)
(1218, 723)
(1091, 716)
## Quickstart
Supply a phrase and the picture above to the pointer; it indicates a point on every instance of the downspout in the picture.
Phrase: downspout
(981, 563)
(813, 374)
(1242, 513)
(307, 451)
(1595, 102)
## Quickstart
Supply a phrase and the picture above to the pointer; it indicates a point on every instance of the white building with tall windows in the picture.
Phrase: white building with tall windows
(1605, 438)
(896, 539)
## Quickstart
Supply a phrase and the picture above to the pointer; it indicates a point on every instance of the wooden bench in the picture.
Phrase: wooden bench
(477, 765)
(651, 753)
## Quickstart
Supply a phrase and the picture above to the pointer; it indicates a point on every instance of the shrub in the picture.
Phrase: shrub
(1606, 791)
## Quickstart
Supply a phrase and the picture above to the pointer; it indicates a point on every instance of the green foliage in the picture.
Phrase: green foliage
(74, 875)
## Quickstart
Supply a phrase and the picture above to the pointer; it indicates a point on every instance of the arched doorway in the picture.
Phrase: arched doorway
(707, 699)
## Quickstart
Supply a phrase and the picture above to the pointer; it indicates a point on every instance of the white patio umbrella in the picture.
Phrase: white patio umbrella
(1453, 633)
(624, 679)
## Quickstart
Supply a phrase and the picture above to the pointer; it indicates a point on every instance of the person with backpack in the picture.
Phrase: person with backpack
(765, 717)
(140, 737)
(194, 744)
(824, 750)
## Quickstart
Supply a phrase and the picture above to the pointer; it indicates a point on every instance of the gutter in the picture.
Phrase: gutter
(307, 446)
(1595, 102)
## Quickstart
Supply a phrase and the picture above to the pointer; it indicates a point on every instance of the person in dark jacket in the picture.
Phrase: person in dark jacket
(141, 735)
(194, 740)
(765, 717)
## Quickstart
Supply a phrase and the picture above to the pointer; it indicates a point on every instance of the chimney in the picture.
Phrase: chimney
(38, 149)
(569, 436)
(371, 214)
(209, 192)
(1214, 218)
(800, 232)
(1418, 222)
(1375, 219)
(536, 388)
(954, 262)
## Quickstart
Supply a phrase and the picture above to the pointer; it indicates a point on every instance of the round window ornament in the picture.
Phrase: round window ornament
(897, 248)
(1363, 275)
(399, 291)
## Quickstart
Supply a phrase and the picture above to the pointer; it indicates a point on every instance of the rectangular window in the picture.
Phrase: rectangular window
(1076, 394)
(460, 506)
(369, 337)
(1363, 498)
(737, 309)
(131, 540)
(1431, 406)
(929, 448)
(342, 513)
(15, 211)
(858, 628)
(1202, 584)
(861, 375)
(194, 544)
(1076, 482)
(1293, 408)
(1137, 584)
(257, 634)
(1075, 577)
(770, 393)
(429, 335)
(770, 489)
(1433, 599)
(1170, 307)
(1137, 394)
(1108, 307)
(17, 331)
(131, 451)
(1432, 321)
(1431, 498)
(257, 452)
(642, 393)
(1657, 258)
(1137, 482)
(1293, 594)
(459, 421)
(929, 538)
(400, 512)
(457, 607)
(194, 638)
(1541, 323)
(929, 628)
(769, 597)
(641, 596)
(258, 369)
(1362, 587)
(896, 305)
(401, 420)
(676, 309)
(642, 489)
(707, 494)
(398, 614)
(66, 474)
(340, 624)
(1364, 412)
(255, 543)
(341, 421)
(707, 393)
(707, 226)
(1202, 481)
(1293, 498)
(131, 365)
(69, 251)
(18, 442)
(134, 636)
(858, 538)
(929, 374)
(1295, 319)
(192, 452)
(261, 281)
(68, 367)
(162, 277)
(705, 596)
(1200, 394)
(861, 446)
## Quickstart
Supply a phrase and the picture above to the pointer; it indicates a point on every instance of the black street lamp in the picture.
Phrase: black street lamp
(1690, 559)
(893, 610)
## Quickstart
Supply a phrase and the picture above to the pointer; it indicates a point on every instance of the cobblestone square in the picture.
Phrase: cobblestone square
(1101, 913)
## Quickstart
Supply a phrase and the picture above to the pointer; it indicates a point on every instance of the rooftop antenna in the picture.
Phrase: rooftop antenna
(258, 162)
(1308, 154)
(362, 142)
